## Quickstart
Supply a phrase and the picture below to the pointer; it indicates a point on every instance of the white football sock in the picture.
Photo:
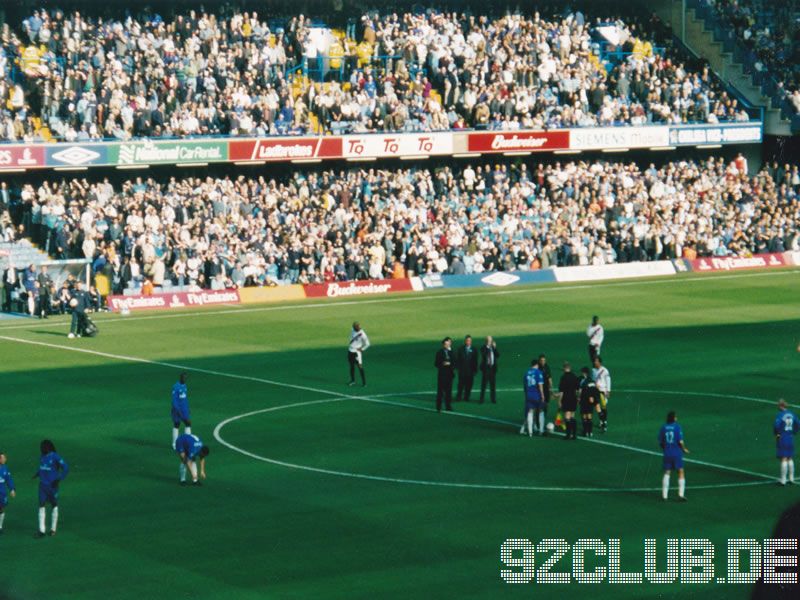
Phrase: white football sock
(791, 470)
(182, 472)
(530, 422)
(784, 471)
(174, 436)
(42, 517)
(681, 486)
(193, 469)
(522, 429)
(187, 430)
(2, 518)
(54, 519)
(665, 486)
(541, 422)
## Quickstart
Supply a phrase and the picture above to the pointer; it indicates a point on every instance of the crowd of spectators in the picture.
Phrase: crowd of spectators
(356, 224)
(770, 33)
(90, 78)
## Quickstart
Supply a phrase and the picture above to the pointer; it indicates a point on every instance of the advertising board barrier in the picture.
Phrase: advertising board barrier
(338, 289)
(173, 300)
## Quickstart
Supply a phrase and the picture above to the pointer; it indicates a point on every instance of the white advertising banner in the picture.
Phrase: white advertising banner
(601, 138)
(397, 145)
(616, 271)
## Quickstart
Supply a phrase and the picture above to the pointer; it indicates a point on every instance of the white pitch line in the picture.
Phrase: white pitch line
(175, 366)
(419, 298)
(706, 394)
(330, 393)
(620, 391)
(592, 440)
(424, 482)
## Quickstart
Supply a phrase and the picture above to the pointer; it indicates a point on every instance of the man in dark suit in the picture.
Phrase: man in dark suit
(467, 365)
(444, 362)
(489, 356)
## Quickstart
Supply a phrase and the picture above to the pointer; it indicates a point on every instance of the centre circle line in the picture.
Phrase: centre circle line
(376, 399)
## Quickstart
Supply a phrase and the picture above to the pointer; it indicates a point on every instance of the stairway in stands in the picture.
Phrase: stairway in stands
(702, 41)
(21, 254)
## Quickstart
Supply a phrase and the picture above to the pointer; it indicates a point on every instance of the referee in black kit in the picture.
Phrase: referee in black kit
(569, 387)
(444, 362)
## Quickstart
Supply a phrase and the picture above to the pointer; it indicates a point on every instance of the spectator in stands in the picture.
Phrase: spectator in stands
(371, 223)
(204, 75)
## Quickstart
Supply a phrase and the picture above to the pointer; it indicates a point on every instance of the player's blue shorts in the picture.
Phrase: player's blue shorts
(533, 405)
(180, 414)
(3, 500)
(673, 463)
(48, 494)
(189, 455)
(785, 449)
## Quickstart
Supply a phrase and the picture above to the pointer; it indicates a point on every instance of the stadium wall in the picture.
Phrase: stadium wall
(305, 149)
(382, 287)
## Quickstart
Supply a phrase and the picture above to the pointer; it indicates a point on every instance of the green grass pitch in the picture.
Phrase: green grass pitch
(718, 350)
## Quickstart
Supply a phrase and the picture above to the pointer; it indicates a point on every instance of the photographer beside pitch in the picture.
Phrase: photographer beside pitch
(79, 303)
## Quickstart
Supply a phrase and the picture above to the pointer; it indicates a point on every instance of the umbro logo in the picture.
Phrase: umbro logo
(76, 155)
(500, 279)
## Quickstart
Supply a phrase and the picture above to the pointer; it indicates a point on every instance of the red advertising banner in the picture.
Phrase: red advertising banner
(357, 288)
(734, 263)
(285, 148)
(174, 300)
(21, 157)
(518, 141)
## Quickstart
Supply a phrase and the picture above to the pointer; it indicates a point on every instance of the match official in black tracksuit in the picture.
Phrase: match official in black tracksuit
(467, 365)
(79, 303)
(445, 363)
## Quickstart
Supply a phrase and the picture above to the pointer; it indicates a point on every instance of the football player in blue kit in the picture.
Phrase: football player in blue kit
(785, 428)
(180, 408)
(52, 471)
(533, 384)
(191, 451)
(670, 438)
(6, 488)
